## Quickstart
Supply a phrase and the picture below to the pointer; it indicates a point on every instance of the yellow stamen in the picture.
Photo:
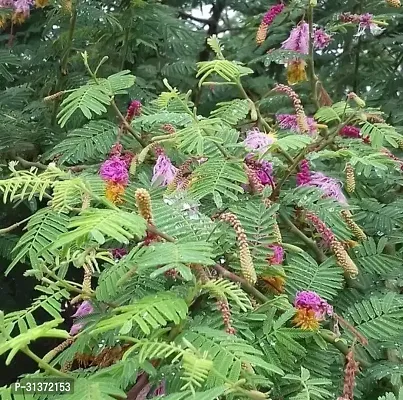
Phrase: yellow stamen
(296, 72)
(306, 320)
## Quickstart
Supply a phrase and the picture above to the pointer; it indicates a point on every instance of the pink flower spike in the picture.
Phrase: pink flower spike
(278, 257)
(115, 170)
(290, 122)
(164, 171)
(304, 174)
(321, 39)
(272, 14)
(259, 141)
(298, 39)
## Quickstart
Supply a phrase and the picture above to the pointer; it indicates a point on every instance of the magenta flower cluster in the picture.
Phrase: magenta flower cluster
(321, 39)
(85, 308)
(272, 14)
(278, 254)
(257, 141)
(350, 131)
(115, 170)
(290, 122)
(312, 301)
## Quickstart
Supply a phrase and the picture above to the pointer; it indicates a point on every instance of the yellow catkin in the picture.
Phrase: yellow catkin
(358, 232)
(393, 3)
(261, 33)
(58, 349)
(350, 178)
(400, 143)
(247, 267)
(254, 183)
(302, 122)
(67, 6)
(344, 260)
(53, 96)
(41, 3)
(143, 202)
(87, 279)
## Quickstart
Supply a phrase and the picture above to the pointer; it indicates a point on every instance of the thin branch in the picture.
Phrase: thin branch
(297, 232)
(197, 19)
(12, 227)
(127, 125)
(245, 285)
(311, 64)
(28, 164)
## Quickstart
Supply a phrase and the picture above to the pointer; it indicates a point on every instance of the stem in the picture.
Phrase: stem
(26, 163)
(42, 364)
(245, 285)
(126, 44)
(309, 242)
(311, 64)
(127, 125)
(16, 225)
(342, 347)
(65, 60)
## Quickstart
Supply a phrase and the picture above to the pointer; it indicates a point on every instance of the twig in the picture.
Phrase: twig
(12, 227)
(297, 232)
(26, 163)
(42, 364)
(341, 346)
(311, 64)
(127, 125)
(245, 285)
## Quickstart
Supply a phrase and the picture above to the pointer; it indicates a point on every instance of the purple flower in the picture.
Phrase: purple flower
(272, 14)
(23, 6)
(321, 39)
(290, 122)
(115, 170)
(366, 21)
(84, 309)
(312, 301)
(133, 110)
(256, 140)
(298, 39)
(350, 131)
(264, 173)
(278, 256)
(75, 329)
(164, 171)
(304, 174)
(331, 187)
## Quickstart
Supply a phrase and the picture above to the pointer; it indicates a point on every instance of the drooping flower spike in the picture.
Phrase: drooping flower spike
(290, 122)
(267, 20)
(164, 171)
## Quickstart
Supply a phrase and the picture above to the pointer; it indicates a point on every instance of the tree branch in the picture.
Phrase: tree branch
(297, 232)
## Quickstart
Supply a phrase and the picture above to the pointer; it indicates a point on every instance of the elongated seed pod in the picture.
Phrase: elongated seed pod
(344, 260)
(350, 178)
(358, 232)
(393, 3)
(247, 267)
(143, 202)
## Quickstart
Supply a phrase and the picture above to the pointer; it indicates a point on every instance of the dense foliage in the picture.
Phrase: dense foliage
(217, 200)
